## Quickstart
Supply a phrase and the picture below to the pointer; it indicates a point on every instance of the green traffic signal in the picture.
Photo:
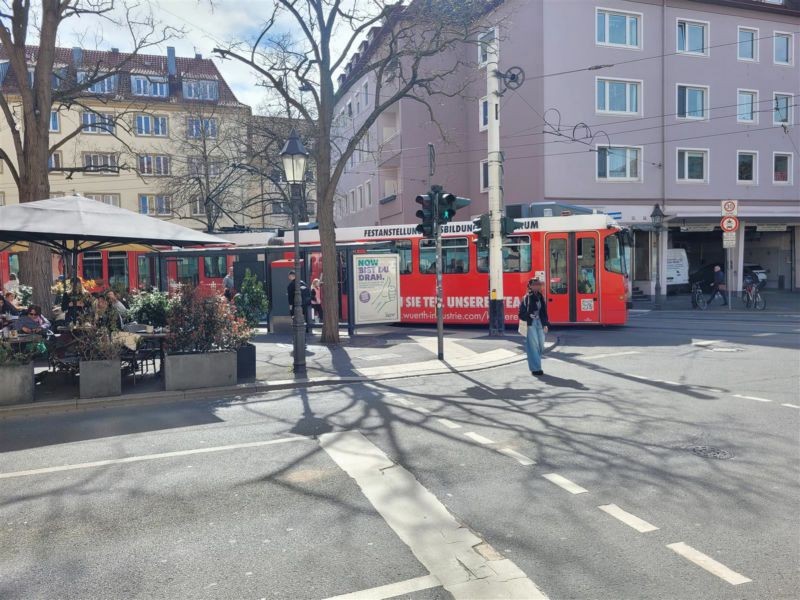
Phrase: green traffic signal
(449, 204)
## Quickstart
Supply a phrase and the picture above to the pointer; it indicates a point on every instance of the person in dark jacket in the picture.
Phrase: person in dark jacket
(533, 310)
(718, 287)
(305, 296)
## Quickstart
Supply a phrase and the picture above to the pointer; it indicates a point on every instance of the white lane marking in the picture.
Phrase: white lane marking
(756, 398)
(451, 348)
(449, 424)
(420, 409)
(671, 382)
(143, 457)
(401, 401)
(520, 458)
(787, 405)
(392, 590)
(630, 520)
(445, 547)
(765, 334)
(708, 563)
(477, 437)
(564, 483)
(595, 356)
(705, 342)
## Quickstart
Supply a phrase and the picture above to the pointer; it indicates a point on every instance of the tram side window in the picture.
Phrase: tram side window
(188, 271)
(118, 269)
(92, 265)
(587, 278)
(516, 255)
(214, 266)
(145, 282)
(613, 255)
(13, 263)
(455, 256)
(558, 266)
(403, 248)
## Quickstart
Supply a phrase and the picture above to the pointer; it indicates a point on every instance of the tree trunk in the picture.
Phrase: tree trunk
(327, 238)
(35, 265)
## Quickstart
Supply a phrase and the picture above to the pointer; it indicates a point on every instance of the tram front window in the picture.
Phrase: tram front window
(403, 249)
(614, 258)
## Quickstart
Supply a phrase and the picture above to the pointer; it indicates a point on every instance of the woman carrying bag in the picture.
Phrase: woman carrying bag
(533, 324)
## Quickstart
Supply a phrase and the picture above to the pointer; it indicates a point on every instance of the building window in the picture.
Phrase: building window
(154, 164)
(747, 102)
(618, 96)
(199, 89)
(2, 198)
(618, 163)
(365, 92)
(618, 28)
(103, 163)
(748, 44)
(368, 192)
(692, 37)
(692, 102)
(197, 166)
(55, 121)
(98, 123)
(484, 41)
(198, 208)
(107, 85)
(483, 114)
(349, 109)
(747, 167)
(154, 205)
(110, 199)
(156, 87)
(781, 114)
(360, 198)
(782, 167)
(783, 48)
(692, 165)
(201, 128)
(54, 162)
(151, 125)
(484, 176)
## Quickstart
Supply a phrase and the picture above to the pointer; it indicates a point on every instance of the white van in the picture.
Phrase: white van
(677, 267)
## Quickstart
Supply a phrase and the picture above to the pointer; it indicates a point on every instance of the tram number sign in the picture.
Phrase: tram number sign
(729, 224)
(730, 208)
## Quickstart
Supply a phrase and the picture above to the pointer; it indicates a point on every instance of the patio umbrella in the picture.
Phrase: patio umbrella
(71, 225)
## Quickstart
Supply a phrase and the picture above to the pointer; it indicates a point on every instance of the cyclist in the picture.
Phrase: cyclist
(718, 287)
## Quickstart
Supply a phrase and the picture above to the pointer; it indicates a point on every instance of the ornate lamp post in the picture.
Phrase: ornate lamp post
(294, 157)
(657, 219)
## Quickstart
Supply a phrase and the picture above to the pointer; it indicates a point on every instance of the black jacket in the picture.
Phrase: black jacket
(530, 305)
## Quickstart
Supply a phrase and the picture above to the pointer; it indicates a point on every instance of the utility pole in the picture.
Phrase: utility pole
(496, 297)
(436, 194)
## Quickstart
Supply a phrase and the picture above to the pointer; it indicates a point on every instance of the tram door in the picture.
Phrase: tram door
(572, 277)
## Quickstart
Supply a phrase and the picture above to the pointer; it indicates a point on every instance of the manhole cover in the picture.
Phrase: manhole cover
(711, 452)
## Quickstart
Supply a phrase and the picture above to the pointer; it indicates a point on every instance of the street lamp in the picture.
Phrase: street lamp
(294, 157)
(657, 219)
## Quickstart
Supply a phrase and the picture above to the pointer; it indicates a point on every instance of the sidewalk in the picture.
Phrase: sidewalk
(777, 302)
(373, 354)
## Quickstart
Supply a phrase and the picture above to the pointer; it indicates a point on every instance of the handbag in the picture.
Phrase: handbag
(523, 328)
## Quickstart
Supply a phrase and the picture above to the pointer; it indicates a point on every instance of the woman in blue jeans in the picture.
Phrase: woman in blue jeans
(533, 310)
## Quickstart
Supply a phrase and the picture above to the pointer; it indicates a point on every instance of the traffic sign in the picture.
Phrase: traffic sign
(730, 208)
(729, 239)
(729, 224)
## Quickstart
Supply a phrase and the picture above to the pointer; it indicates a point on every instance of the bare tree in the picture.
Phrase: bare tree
(408, 51)
(40, 77)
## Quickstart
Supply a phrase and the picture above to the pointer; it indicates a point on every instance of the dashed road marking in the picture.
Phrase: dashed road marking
(705, 342)
(420, 409)
(787, 405)
(764, 334)
(708, 563)
(392, 590)
(630, 520)
(401, 401)
(564, 483)
(756, 398)
(477, 437)
(609, 355)
(520, 458)
(449, 424)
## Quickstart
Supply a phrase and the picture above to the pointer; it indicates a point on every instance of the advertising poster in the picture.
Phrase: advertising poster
(376, 280)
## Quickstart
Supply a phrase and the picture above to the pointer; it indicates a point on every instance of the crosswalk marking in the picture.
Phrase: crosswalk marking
(756, 398)
(392, 590)
(609, 355)
(787, 405)
(564, 483)
(449, 424)
(478, 438)
(630, 520)
(708, 563)
(520, 458)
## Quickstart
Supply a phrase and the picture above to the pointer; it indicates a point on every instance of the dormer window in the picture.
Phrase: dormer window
(106, 85)
(155, 87)
(198, 89)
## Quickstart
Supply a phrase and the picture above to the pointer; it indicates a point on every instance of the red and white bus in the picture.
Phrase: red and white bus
(580, 259)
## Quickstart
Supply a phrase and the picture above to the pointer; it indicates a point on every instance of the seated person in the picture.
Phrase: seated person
(117, 304)
(105, 315)
(73, 305)
(10, 306)
(33, 322)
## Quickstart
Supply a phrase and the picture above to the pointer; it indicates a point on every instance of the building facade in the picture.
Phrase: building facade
(625, 104)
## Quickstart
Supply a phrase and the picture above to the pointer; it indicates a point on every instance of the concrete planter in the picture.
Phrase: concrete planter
(193, 371)
(16, 384)
(246, 362)
(100, 378)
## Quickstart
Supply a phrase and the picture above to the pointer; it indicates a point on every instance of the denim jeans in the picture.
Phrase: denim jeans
(534, 344)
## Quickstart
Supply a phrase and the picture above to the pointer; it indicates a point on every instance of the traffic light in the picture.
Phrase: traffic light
(425, 215)
(508, 226)
(449, 205)
(481, 227)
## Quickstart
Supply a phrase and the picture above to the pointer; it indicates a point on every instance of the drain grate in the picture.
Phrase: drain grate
(711, 452)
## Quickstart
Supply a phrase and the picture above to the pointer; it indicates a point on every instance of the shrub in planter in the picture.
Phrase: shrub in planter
(99, 351)
(16, 373)
(251, 301)
(150, 308)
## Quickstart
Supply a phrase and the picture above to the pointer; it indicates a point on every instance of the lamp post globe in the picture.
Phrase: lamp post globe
(657, 219)
(294, 157)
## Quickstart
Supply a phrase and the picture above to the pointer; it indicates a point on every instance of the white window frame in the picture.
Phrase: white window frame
(706, 102)
(755, 167)
(198, 208)
(481, 125)
(368, 192)
(110, 199)
(638, 179)
(151, 83)
(639, 95)
(756, 106)
(790, 175)
(360, 197)
(201, 89)
(481, 61)
(57, 162)
(109, 163)
(211, 129)
(166, 200)
(108, 85)
(2, 198)
(706, 166)
(791, 98)
(756, 35)
(627, 13)
(484, 189)
(153, 119)
(790, 35)
(152, 162)
(98, 128)
(706, 38)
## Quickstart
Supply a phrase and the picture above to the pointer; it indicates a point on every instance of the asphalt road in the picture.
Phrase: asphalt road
(658, 460)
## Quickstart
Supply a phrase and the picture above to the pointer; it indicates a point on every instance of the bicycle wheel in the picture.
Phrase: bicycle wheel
(745, 298)
(758, 302)
(700, 299)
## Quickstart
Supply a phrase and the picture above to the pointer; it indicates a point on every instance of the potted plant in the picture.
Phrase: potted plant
(204, 333)
(251, 304)
(16, 373)
(150, 308)
(99, 351)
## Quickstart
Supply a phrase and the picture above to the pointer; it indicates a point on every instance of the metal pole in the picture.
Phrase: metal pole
(298, 318)
(436, 192)
(496, 297)
(728, 278)
(658, 267)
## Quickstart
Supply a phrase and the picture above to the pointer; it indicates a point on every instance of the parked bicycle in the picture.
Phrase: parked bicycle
(752, 298)
(698, 298)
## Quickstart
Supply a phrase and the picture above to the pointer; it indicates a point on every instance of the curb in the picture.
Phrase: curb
(54, 406)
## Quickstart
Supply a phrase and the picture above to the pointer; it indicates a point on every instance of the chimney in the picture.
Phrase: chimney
(115, 51)
(198, 56)
(77, 57)
(172, 67)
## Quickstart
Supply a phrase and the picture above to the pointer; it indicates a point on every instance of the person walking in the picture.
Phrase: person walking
(227, 284)
(316, 299)
(533, 312)
(305, 296)
(718, 287)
